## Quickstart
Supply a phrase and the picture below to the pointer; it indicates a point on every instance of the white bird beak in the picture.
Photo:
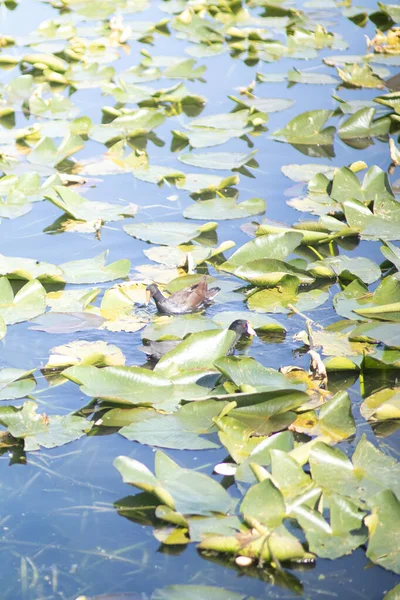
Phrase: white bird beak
(251, 330)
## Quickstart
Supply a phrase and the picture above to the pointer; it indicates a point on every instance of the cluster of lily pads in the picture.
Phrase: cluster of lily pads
(301, 497)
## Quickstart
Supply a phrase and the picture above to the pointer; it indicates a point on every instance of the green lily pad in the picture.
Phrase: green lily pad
(279, 299)
(336, 419)
(245, 371)
(72, 300)
(188, 492)
(264, 503)
(15, 383)
(384, 333)
(182, 430)
(341, 536)
(42, 430)
(392, 253)
(296, 76)
(383, 223)
(274, 246)
(199, 351)
(94, 270)
(382, 405)
(28, 268)
(122, 385)
(346, 268)
(218, 160)
(80, 352)
(177, 327)
(28, 303)
(308, 129)
(369, 472)
(362, 124)
(306, 172)
(168, 234)
(269, 272)
(383, 525)
(84, 210)
(225, 208)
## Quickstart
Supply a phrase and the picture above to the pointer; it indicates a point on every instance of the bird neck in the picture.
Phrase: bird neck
(158, 297)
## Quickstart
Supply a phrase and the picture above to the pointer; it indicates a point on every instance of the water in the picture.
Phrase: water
(60, 535)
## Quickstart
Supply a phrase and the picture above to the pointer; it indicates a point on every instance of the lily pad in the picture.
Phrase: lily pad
(218, 160)
(122, 385)
(382, 405)
(42, 430)
(79, 208)
(180, 431)
(15, 383)
(168, 234)
(79, 352)
(28, 303)
(94, 270)
(224, 208)
(369, 472)
(308, 129)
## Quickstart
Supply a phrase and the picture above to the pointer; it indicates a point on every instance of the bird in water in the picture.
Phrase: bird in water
(188, 300)
(156, 350)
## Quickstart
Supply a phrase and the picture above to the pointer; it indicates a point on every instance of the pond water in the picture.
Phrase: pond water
(61, 535)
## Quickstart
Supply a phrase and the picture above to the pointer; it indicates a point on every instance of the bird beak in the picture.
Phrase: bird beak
(251, 330)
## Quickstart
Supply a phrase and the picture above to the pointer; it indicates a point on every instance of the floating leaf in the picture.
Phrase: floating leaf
(15, 383)
(308, 129)
(94, 270)
(385, 333)
(275, 246)
(360, 76)
(225, 208)
(122, 385)
(295, 76)
(269, 273)
(341, 536)
(28, 303)
(382, 405)
(264, 503)
(306, 172)
(79, 208)
(42, 430)
(218, 160)
(199, 351)
(336, 419)
(382, 223)
(383, 525)
(369, 472)
(28, 268)
(168, 233)
(362, 124)
(61, 322)
(79, 352)
(278, 300)
(180, 430)
(345, 267)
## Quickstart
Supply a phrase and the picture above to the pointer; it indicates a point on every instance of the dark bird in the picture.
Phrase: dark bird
(156, 350)
(188, 300)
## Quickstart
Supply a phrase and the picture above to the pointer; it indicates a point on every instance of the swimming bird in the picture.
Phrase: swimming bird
(188, 300)
(156, 350)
